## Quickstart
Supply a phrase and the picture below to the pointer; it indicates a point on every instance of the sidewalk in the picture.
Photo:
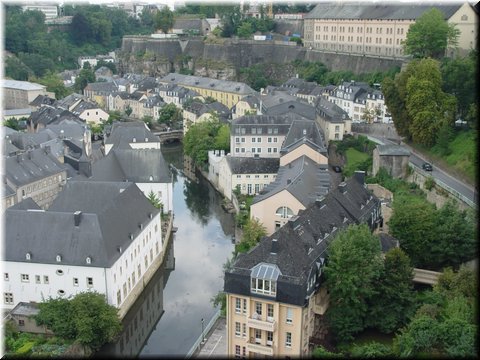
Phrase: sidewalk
(216, 344)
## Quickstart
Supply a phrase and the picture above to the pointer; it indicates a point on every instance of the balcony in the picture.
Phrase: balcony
(259, 348)
(256, 322)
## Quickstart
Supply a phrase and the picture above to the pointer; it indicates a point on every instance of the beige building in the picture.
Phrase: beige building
(198, 112)
(378, 30)
(393, 158)
(19, 94)
(333, 121)
(226, 92)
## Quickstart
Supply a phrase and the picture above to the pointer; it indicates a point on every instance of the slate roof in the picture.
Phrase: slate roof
(21, 85)
(387, 242)
(360, 11)
(206, 83)
(31, 166)
(110, 213)
(304, 131)
(392, 150)
(134, 165)
(127, 131)
(46, 116)
(84, 106)
(276, 98)
(303, 178)
(282, 122)
(255, 165)
(293, 106)
(41, 100)
(25, 309)
(69, 101)
(188, 24)
(102, 87)
(25, 204)
(7, 190)
(301, 246)
(330, 111)
(199, 108)
(25, 141)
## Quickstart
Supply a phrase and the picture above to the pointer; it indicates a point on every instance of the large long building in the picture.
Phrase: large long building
(379, 29)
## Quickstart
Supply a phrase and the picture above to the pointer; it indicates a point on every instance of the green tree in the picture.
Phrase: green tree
(245, 30)
(17, 70)
(170, 114)
(164, 19)
(253, 231)
(395, 101)
(148, 120)
(54, 84)
(80, 28)
(429, 35)
(85, 77)
(155, 201)
(199, 139)
(128, 110)
(393, 307)
(371, 350)
(222, 139)
(12, 123)
(220, 299)
(354, 267)
(52, 314)
(96, 322)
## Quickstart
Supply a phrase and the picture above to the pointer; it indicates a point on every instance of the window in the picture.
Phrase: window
(89, 281)
(25, 278)
(258, 336)
(61, 292)
(244, 330)
(6, 277)
(289, 318)
(75, 281)
(133, 278)
(124, 290)
(269, 338)
(258, 307)
(254, 140)
(259, 150)
(249, 186)
(259, 140)
(238, 304)
(59, 272)
(244, 306)
(8, 298)
(288, 339)
(275, 139)
(269, 140)
(337, 127)
(139, 271)
(270, 311)
(254, 131)
(284, 212)
(119, 297)
(21, 322)
(237, 350)
(146, 261)
(37, 279)
(237, 328)
(45, 279)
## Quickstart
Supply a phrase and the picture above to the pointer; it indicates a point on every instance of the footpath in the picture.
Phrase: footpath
(215, 345)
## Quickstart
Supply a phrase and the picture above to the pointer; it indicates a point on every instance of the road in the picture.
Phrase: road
(417, 160)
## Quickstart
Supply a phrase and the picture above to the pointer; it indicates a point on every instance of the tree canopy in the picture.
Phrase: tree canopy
(164, 19)
(430, 35)
(90, 321)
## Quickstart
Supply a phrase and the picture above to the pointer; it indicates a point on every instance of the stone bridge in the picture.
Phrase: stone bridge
(169, 136)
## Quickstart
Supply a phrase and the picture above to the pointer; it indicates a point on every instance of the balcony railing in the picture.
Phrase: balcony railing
(260, 324)
(259, 348)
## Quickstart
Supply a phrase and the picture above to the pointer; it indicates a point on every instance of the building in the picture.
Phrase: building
(99, 92)
(97, 236)
(136, 134)
(226, 92)
(379, 29)
(37, 174)
(276, 299)
(198, 112)
(50, 11)
(82, 107)
(19, 94)
(393, 158)
(122, 100)
(93, 60)
(333, 120)
(46, 116)
(22, 316)
(296, 186)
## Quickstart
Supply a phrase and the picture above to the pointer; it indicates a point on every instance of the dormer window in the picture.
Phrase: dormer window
(263, 279)
(28, 256)
(59, 258)
(88, 260)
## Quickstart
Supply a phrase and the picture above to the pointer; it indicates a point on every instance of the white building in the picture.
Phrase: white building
(103, 237)
(135, 134)
(50, 11)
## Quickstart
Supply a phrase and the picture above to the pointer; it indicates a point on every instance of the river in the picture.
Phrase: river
(167, 319)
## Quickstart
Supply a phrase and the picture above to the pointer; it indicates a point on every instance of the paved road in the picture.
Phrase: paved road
(438, 174)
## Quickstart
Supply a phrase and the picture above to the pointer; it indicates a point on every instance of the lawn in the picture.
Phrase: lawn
(353, 159)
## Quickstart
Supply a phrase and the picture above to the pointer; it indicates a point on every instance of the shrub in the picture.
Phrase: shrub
(429, 183)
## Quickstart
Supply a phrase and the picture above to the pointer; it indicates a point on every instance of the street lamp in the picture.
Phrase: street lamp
(203, 338)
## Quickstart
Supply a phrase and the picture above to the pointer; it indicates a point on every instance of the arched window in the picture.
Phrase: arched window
(28, 256)
(284, 212)
(59, 258)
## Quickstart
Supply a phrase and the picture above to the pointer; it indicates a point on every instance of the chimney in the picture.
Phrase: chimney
(342, 187)
(19, 157)
(29, 153)
(47, 149)
(320, 200)
(359, 176)
(289, 181)
(274, 246)
(77, 216)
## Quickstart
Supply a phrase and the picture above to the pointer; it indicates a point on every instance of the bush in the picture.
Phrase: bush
(25, 348)
(370, 350)
(429, 183)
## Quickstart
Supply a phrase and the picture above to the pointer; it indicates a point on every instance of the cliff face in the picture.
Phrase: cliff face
(158, 57)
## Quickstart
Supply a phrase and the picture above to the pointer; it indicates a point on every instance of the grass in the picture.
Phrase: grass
(353, 159)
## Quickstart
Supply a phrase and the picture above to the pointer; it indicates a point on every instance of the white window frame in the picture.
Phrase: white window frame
(238, 304)
(288, 339)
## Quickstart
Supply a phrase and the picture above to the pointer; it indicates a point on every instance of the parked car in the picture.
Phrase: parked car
(337, 169)
(427, 166)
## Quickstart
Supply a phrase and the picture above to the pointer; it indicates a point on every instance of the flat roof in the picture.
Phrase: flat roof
(21, 85)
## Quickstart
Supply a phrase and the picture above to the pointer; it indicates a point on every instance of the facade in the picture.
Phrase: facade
(22, 316)
(120, 101)
(93, 60)
(102, 237)
(296, 186)
(276, 299)
(50, 11)
(393, 158)
(226, 92)
(81, 106)
(333, 121)
(37, 174)
(199, 112)
(99, 92)
(135, 134)
(378, 30)
(19, 94)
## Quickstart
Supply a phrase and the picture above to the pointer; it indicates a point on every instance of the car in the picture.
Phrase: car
(427, 166)
(337, 169)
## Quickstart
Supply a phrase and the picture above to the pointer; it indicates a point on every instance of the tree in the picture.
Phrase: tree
(394, 305)
(155, 201)
(85, 77)
(79, 28)
(11, 123)
(245, 30)
(164, 19)
(253, 231)
(148, 120)
(354, 267)
(222, 139)
(54, 84)
(220, 299)
(429, 35)
(17, 70)
(52, 314)
(199, 139)
(169, 114)
(128, 110)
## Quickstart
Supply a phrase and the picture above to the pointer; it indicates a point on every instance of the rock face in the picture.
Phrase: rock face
(158, 57)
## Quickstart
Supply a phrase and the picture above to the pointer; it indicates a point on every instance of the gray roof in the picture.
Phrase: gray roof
(207, 83)
(387, 242)
(304, 131)
(293, 106)
(25, 204)
(301, 246)
(25, 309)
(134, 165)
(199, 108)
(42, 100)
(189, 24)
(7, 191)
(102, 87)
(392, 150)
(110, 213)
(281, 122)
(21, 85)
(25, 141)
(69, 101)
(31, 166)
(17, 112)
(361, 11)
(330, 111)
(276, 98)
(46, 115)
(303, 178)
(255, 165)
(127, 131)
